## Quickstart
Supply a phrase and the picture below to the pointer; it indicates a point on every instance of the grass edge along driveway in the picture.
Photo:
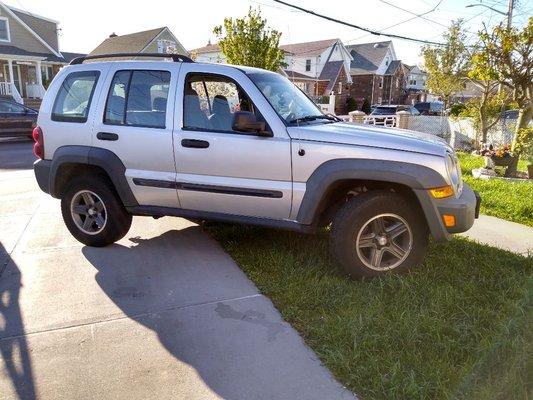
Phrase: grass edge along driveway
(506, 199)
(455, 327)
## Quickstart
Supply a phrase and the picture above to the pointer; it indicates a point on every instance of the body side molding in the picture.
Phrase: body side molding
(276, 194)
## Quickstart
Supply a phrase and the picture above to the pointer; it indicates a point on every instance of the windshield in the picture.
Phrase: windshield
(290, 103)
(384, 111)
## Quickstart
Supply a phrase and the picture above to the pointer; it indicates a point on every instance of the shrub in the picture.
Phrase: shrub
(366, 107)
(457, 109)
(351, 104)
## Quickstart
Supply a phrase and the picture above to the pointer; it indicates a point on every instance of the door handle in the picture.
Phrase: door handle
(106, 136)
(195, 143)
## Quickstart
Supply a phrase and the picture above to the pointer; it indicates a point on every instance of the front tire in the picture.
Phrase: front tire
(93, 212)
(378, 232)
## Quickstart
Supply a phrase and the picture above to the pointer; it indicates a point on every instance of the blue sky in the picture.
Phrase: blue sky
(192, 21)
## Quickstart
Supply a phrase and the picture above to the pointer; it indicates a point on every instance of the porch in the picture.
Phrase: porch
(24, 79)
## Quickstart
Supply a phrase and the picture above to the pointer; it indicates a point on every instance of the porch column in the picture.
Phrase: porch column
(10, 67)
(39, 73)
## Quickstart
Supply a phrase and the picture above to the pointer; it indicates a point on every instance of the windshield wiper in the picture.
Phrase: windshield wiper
(313, 118)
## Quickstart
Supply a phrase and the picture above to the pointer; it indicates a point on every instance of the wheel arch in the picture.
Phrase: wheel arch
(71, 161)
(333, 179)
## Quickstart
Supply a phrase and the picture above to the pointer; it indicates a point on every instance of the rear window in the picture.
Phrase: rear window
(138, 98)
(74, 97)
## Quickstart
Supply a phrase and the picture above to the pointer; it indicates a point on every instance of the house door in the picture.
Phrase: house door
(16, 79)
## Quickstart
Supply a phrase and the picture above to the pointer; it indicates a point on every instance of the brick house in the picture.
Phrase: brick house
(377, 75)
(29, 54)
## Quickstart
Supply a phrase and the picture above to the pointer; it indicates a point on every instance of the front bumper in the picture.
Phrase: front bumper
(465, 209)
(41, 168)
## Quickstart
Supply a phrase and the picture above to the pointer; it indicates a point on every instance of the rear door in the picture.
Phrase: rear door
(219, 169)
(135, 121)
(16, 119)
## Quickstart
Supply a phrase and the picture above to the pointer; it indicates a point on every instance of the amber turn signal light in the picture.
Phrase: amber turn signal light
(441, 192)
(449, 220)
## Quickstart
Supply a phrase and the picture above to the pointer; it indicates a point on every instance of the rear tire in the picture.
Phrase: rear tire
(93, 212)
(378, 232)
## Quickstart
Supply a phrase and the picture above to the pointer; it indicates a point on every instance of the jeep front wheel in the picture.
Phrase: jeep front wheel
(377, 232)
(93, 213)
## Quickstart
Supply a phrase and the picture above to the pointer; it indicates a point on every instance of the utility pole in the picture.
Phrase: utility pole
(510, 14)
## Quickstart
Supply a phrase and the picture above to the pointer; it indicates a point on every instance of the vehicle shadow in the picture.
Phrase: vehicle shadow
(139, 279)
(14, 348)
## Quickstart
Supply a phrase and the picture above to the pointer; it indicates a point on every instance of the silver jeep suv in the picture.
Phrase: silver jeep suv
(242, 145)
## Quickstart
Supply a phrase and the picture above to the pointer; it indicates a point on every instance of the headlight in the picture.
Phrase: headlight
(454, 172)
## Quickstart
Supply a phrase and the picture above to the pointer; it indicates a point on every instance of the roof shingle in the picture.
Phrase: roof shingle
(131, 43)
(367, 56)
(308, 48)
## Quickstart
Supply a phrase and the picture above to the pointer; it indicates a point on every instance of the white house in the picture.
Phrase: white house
(318, 68)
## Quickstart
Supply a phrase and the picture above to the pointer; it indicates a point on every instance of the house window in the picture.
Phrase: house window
(4, 30)
(308, 65)
(381, 82)
(340, 87)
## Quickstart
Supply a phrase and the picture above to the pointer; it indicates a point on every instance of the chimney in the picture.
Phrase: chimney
(113, 35)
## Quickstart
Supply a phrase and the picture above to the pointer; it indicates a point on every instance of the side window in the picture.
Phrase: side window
(138, 98)
(210, 101)
(74, 97)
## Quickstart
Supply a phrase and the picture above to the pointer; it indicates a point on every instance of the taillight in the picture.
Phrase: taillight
(38, 146)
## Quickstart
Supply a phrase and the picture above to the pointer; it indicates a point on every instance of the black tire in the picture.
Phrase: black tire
(117, 219)
(353, 219)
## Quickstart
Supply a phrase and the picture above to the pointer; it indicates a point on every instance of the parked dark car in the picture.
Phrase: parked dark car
(429, 107)
(16, 120)
(386, 114)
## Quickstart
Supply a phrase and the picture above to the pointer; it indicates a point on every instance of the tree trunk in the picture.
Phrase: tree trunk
(483, 123)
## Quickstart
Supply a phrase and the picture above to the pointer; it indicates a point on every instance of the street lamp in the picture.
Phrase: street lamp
(490, 8)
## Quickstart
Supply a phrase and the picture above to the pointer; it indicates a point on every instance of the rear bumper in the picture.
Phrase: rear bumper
(465, 209)
(42, 168)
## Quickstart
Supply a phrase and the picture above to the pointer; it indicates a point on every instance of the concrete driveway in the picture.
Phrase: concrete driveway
(163, 314)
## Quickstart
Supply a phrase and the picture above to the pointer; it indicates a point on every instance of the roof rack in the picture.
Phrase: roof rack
(175, 57)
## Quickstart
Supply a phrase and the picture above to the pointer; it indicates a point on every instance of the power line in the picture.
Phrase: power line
(404, 21)
(372, 32)
(421, 16)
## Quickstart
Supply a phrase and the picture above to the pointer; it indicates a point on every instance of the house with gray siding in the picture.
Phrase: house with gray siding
(29, 54)
(159, 40)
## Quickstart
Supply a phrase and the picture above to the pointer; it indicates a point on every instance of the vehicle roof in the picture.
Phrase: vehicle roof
(242, 68)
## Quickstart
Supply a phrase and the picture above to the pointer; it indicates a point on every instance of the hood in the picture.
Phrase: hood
(372, 136)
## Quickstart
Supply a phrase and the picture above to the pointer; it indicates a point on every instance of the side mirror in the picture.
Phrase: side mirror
(245, 121)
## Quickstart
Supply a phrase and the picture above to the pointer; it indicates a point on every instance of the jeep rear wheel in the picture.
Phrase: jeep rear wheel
(93, 213)
(377, 232)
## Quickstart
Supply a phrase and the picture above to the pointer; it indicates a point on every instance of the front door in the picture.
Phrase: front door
(135, 122)
(219, 169)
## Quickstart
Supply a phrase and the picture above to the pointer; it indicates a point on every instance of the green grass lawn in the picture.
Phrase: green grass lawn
(501, 198)
(455, 327)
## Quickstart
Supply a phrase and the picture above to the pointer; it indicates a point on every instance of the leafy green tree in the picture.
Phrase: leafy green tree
(248, 41)
(507, 57)
(446, 64)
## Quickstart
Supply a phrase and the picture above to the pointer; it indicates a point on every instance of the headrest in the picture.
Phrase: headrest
(220, 105)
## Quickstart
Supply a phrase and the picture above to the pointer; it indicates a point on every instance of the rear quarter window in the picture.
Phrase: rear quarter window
(73, 100)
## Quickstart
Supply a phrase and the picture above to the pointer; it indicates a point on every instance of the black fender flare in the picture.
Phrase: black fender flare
(417, 177)
(103, 158)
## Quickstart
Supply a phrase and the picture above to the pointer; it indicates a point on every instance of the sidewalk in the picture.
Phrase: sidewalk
(163, 314)
(503, 234)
